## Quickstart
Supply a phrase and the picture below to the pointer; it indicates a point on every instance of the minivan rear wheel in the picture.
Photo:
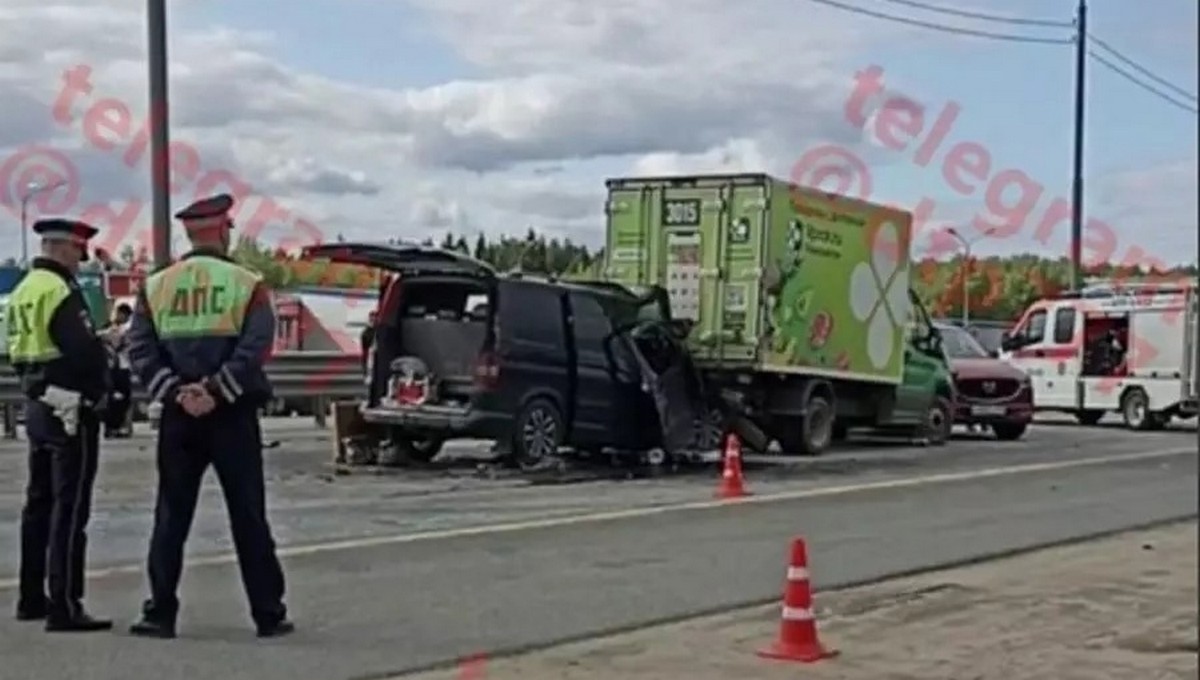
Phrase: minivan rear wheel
(538, 434)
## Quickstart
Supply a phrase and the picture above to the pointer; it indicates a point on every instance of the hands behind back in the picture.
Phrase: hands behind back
(195, 400)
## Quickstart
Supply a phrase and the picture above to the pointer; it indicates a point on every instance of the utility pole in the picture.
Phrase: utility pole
(160, 177)
(1081, 41)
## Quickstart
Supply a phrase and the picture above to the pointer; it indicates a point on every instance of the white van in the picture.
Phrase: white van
(1130, 349)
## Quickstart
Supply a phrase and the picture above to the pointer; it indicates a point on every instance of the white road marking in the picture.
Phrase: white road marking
(633, 513)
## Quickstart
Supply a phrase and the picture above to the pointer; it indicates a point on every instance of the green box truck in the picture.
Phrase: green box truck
(795, 302)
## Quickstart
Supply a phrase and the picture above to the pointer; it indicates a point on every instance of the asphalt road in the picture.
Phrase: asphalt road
(391, 573)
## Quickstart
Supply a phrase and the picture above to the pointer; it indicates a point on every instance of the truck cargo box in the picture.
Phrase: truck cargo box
(773, 277)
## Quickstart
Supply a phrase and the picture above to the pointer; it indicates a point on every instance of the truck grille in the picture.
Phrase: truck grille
(988, 389)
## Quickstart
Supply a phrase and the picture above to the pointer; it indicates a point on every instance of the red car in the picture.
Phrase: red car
(991, 393)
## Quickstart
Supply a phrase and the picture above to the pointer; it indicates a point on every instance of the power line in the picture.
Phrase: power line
(1008, 37)
(1116, 54)
(1142, 84)
(981, 16)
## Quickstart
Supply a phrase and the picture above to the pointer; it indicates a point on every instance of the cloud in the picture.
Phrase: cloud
(562, 94)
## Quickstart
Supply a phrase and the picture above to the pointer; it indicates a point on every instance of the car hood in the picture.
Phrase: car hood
(985, 368)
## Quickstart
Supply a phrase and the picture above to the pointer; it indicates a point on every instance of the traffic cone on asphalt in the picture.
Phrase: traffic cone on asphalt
(732, 483)
(798, 624)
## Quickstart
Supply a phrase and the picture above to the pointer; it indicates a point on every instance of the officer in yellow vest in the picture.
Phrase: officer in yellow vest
(202, 329)
(64, 375)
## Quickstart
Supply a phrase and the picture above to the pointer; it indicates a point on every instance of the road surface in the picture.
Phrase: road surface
(394, 573)
(1118, 608)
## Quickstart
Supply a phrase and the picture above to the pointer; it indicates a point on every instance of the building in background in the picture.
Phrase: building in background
(322, 319)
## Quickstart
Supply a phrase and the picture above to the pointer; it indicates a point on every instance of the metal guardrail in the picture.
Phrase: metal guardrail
(325, 375)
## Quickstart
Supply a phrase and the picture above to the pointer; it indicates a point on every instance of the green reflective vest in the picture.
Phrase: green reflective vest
(30, 309)
(200, 296)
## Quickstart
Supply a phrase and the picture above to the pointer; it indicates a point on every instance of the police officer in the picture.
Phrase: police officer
(63, 370)
(201, 331)
(116, 421)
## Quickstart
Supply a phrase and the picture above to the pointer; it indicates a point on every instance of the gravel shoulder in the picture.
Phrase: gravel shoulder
(1121, 608)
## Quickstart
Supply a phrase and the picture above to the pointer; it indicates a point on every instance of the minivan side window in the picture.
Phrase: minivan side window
(1035, 329)
(532, 314)
(591, 323)
(1064, 325)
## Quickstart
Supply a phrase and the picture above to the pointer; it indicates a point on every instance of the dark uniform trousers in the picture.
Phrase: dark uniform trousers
(229, 439)
(58, 505)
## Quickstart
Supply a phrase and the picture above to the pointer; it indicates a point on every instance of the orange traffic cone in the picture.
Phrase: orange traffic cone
(732, 483)
(798, 624)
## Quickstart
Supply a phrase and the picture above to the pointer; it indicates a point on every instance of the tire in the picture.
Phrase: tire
(1089, 417)
(1135, 410)
(813, 432)
(939, 419)
(538, 434)
(1009, 432)
(417, 450)
(711, 431)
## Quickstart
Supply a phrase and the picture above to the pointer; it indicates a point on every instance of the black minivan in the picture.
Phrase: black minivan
(461, 351)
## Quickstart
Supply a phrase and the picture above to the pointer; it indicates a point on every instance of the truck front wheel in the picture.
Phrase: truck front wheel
(811, 433)
(938, 422)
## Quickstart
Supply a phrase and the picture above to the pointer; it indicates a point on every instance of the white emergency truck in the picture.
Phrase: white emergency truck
(1133, 349)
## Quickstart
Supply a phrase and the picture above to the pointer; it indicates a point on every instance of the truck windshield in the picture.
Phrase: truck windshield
(960, 345)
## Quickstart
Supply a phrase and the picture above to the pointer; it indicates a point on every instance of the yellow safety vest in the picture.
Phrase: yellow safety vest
(200, 296)
(30, 309)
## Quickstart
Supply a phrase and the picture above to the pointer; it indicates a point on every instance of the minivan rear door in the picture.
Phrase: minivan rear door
(405, 259)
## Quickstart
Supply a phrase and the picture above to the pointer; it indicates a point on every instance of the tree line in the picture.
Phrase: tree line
(997, 287)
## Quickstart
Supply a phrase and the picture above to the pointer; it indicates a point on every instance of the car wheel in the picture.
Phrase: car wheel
(1009, 432)
(1089, 417)
(938, 421)
(1135, 410)
(711, 431)
(538, 435)
(811, 433)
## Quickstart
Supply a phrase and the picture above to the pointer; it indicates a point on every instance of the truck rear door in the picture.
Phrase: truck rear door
(702, 241)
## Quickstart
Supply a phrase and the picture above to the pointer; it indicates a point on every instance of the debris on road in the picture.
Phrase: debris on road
(1104, 610)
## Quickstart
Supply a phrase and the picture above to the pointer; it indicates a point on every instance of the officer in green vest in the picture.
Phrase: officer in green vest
(201, 330)
(64, 371)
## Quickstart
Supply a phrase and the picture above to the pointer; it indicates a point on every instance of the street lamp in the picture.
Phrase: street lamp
(32, 189)
(967, 243)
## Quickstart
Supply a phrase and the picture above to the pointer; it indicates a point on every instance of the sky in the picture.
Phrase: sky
(373, 119)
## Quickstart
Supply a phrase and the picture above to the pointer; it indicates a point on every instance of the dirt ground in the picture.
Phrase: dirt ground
(1123, 608)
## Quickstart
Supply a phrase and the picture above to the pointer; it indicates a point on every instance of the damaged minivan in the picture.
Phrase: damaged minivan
(462, 352)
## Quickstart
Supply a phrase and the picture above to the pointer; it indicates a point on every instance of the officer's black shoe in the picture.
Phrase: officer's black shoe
(148, 627)
(32, 611)
(79, 622)
(276, 629)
